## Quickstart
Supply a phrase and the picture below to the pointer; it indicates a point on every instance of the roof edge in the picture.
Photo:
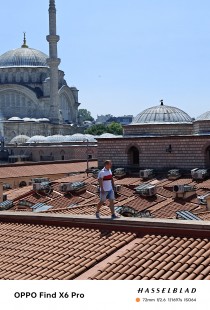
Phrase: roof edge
(141, 227)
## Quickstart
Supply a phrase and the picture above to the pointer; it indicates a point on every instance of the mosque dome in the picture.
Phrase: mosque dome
(162, 114)
(37, 139)
(107, 135)
(204, 117)
(55, 139)
(15, 119)
(23, 57)
(21, 139)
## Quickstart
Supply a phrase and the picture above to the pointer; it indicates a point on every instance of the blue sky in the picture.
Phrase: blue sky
(123, 55)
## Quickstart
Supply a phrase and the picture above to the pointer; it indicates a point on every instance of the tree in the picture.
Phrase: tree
(85, 115)
(115, 128)
(99, 129)
(96, 130)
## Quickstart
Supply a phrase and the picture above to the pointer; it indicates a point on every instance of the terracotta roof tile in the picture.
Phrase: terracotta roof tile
(179, 261)
(47, 169)
(26, 253)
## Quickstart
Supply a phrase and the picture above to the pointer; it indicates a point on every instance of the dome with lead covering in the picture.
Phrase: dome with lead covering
(162, 114)
(107, 135)
(21, 139)
(23, 57)
(15, 119)
(55, 139)
(37, 139)
(204, 117)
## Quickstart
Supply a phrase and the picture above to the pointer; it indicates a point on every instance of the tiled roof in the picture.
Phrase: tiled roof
(40, 170)
(163, 205)
(156, 257)
(41, 252)
(16, 193)
(169, 210)
(65, 247)
(85, 210)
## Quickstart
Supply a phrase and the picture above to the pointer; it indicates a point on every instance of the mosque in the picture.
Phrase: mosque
(35, 99)
(38, 111)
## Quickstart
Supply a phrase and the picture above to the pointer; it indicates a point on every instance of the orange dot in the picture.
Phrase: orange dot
(138, 299)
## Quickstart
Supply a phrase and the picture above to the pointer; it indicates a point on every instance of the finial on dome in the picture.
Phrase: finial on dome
(24, 41)
(161, 102)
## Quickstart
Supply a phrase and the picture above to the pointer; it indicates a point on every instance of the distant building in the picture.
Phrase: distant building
(108, 119)
(102, 119)
(123, 120)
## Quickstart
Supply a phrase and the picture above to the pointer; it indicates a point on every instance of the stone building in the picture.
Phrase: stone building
(160, 137)
(34, 96)
(52, 148)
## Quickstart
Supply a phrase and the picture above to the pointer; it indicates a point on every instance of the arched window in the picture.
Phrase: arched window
(22, 184)
(62, 155)
(41, 154)
(133, 156)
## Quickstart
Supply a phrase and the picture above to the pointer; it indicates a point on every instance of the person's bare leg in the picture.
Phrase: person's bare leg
(99, 205)
(111, 205)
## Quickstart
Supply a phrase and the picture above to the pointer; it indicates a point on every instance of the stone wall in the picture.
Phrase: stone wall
(159, 129)
(187, 152)
(201, 127)
(70, 151)
(12, 129)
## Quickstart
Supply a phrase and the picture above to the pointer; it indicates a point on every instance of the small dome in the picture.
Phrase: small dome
(55, 139)
(23, 57)
(44, 120)
(203, 117)
(107, 135)
(78, 137)
(162, 114)
(15, 119)
(26, 119)
(37, 139)
(90, 138)
(19, 139)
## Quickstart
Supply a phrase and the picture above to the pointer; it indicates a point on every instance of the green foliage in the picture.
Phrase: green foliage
(99, 129)
(85, 115)
(115, 128)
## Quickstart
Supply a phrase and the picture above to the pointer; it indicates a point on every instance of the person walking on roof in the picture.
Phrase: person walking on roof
(106, 184)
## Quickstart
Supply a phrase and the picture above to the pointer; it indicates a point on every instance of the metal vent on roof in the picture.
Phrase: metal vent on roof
(6, 205)
(72, 187)
(202, 199)
(145, 213)
(146, 189)
(25, 203)
(119, 172)
(174, 174)
(187, 215)
(117, 188)
(199, 174)
(146, 174)
(183, 188)
(40, 207)
(95, 173)
(40, 180)
(126, 211)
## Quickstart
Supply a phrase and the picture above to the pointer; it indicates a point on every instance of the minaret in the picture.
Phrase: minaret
(53, 62)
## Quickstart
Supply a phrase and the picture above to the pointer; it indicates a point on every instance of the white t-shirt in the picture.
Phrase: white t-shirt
(106, 176)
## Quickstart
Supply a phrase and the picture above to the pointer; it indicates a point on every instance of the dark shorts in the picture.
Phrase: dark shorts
(107, 195)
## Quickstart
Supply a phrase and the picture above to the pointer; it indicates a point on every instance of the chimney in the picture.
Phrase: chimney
(1, 192)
